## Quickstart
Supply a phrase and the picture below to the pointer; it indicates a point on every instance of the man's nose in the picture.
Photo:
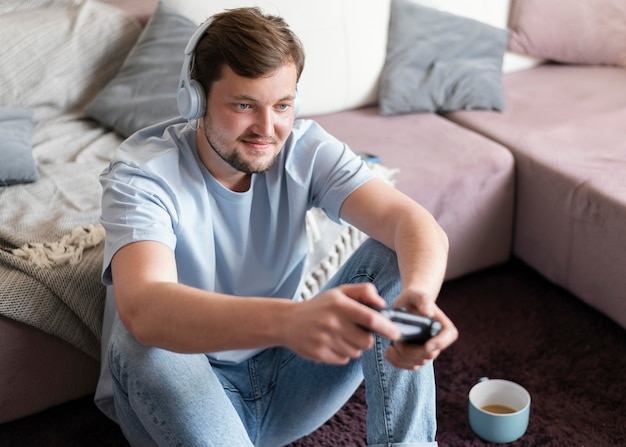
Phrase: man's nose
(264, 122)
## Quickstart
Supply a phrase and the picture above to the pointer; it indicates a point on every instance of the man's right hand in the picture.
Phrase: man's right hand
(335, 326)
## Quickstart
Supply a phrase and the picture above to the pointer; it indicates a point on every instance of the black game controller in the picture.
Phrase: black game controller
(415, 329)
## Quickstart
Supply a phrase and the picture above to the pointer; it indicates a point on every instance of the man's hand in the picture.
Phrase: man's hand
(412, 357)
(336, 326)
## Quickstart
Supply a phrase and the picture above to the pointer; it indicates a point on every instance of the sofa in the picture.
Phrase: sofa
(503, 118)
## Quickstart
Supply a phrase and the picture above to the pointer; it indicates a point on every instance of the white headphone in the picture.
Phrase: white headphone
(191, 98)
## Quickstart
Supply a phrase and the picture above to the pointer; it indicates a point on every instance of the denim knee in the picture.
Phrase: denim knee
(376, 263)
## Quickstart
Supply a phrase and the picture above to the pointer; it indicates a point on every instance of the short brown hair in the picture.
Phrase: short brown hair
(251, 43)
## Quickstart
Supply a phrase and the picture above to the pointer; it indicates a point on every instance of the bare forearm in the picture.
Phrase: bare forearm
(183, 319)
(422, 253)
(406, 227)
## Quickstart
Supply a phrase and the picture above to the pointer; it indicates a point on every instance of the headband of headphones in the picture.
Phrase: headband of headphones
(191, 98)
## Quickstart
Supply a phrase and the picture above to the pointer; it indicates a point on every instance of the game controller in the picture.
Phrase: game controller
(415, 329)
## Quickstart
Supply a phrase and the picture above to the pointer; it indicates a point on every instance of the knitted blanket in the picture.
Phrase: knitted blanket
(50, 241)
(51, 253)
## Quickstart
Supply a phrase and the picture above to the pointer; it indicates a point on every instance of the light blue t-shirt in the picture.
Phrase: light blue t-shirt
(249, 243)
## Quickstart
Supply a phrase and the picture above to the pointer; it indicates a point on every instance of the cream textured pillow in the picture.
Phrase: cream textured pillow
(570, 31)
(57, 54)
(142, 10)
(344, 40)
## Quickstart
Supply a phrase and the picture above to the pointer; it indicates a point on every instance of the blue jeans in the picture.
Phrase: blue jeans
(169, 399)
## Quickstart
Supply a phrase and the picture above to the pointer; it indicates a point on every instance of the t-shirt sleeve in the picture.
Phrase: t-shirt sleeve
(135, 208)
(334, 170)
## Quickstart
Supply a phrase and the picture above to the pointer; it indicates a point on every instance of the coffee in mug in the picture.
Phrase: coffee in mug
(497, 409)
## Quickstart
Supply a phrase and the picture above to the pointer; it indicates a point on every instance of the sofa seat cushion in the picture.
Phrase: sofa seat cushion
(565, 127)
(465, 180)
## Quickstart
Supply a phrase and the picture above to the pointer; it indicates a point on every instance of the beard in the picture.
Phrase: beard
(237, 160)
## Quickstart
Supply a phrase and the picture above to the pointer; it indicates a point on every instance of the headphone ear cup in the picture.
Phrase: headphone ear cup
(191, 100)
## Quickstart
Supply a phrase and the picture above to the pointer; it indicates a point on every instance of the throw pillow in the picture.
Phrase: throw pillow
(576, 32)
(141, 10)
(56, 54)
(144, 91)
(493, 12)
(17, 164)
(440, 62)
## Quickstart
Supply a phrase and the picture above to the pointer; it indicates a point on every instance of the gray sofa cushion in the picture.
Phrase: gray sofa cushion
(144, 91)
(437, 61)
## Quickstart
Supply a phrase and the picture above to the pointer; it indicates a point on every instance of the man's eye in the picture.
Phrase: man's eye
(243, 106)
(283, 107)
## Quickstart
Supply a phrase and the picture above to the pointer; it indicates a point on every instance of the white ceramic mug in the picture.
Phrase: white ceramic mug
(499, 410)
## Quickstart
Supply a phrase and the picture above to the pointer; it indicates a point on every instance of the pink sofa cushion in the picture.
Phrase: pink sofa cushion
(564, 125)
(465, 180)
(570, 31)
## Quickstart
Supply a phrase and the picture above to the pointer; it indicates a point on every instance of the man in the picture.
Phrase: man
(205, 339)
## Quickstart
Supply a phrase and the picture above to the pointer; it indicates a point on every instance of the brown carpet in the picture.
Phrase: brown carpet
(513, 324)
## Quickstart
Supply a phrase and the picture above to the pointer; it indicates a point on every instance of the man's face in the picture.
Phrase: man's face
(247, 122)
